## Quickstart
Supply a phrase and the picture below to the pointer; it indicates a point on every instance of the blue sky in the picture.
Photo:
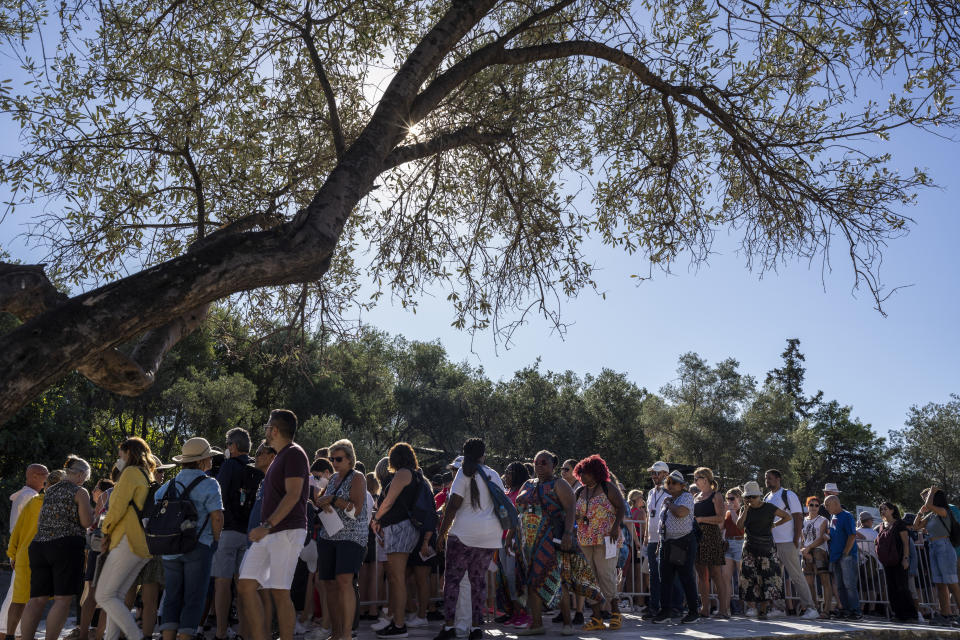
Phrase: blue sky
(879, 365)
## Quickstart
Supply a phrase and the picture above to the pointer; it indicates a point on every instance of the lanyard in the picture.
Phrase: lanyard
(659, 495)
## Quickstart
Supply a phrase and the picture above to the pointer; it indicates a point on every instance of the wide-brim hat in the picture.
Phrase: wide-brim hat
(832, 486)
(677, 476)
(158, 463)
(195, 449)
(751, 489)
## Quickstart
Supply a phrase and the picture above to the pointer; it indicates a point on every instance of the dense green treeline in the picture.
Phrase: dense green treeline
(377, 389)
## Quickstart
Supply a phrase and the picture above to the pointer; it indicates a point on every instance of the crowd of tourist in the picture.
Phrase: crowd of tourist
(274, 541)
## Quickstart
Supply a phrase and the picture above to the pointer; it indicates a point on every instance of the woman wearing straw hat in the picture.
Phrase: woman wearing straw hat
(188, 574)
(761, 578)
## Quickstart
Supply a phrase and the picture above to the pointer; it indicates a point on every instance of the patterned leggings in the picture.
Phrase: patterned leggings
(474, 562)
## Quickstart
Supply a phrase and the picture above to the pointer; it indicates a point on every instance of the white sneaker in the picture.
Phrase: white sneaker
(413, 620)
(921, 619)
(381, 624)
(776, 613)
(810, 614)
(318, 634)
(299, 629)
(751, 612)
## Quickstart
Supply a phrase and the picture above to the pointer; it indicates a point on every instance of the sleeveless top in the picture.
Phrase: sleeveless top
(595, 517)
(354, 529)
(811, 529)
(730, 528)
(400, 510)
(58, 516)
(704, 507)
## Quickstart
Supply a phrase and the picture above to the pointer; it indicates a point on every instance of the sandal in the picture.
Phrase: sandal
(595, 624)
(616, 620)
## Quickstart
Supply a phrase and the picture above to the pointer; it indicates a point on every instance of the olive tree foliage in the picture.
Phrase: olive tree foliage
(257, 146)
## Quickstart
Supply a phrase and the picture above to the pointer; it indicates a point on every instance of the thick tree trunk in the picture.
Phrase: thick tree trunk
(50, 345)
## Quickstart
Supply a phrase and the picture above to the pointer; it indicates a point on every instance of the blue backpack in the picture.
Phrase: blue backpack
(505, 510)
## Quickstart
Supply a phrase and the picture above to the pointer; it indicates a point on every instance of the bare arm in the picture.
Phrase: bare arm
(616, 499)
(783, 516)
(216, 523)
(566, 497)
(358, 494)
(84, 510)
(742, 517)
(453, 504)
(821, 538)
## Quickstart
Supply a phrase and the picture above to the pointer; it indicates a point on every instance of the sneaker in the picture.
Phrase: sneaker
(476, 634)
(855, 616)
(568, 630)
(661, 618)
(415, 621)
(446, 634)
(810, 614)
(382, 624)
(558, 619)
(506, 619)
(520, 620)
(393, 631)
(318, 634)
(577, 619)
(921, 619)
(298, 629)
(691, 618)
(776, 613)
(751, 612)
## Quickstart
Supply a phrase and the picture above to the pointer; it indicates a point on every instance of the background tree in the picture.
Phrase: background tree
(789, 380)
(928, 450)
(233, 147)
(834, 447)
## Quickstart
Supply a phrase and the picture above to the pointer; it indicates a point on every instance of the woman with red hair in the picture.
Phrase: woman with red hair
(599, 510)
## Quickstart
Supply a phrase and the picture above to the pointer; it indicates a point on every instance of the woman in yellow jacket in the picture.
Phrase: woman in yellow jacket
(124, 538)
(17, 551)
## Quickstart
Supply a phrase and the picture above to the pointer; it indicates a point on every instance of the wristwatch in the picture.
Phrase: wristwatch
(266, 525)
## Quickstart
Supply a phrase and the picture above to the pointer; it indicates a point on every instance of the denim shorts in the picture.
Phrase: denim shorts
(735, 550)
(943, 562)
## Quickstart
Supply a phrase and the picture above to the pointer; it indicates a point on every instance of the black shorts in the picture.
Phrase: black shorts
(371, 555)
(56, 567)
(414, 559)
(338, 557)
(91, 565)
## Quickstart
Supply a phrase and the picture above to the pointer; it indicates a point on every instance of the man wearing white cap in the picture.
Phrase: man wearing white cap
(659, 471)
(829, 489)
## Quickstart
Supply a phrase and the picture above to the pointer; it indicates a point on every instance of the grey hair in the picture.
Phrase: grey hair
(382, 471)
(75, 465)
(347, 447)
(239, 437)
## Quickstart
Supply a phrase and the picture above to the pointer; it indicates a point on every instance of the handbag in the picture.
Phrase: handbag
(98, 569)
(95, 540)
(677, 551)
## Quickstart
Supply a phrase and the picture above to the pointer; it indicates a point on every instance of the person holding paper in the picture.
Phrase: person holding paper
(600, 508)
(343, 540)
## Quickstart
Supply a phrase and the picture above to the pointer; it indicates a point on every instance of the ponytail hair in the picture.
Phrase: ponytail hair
(473, 450)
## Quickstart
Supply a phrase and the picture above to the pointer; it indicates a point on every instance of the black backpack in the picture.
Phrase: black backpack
(170, 525)
(250, 480)
(423, 511)
(151, 497)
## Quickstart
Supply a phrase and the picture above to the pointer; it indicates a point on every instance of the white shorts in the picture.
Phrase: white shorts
(273, 560)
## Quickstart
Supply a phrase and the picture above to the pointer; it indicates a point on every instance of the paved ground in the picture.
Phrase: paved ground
(793, 629)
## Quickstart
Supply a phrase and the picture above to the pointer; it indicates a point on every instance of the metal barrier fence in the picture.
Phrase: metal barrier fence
(872, 588)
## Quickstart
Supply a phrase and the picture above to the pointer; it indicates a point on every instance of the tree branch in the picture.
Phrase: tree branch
(444, 141)
(338, 141)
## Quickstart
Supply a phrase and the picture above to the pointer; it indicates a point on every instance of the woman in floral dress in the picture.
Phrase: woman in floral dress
(548, 544)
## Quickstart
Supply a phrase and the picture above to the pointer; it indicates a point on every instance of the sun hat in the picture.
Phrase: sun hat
(677, 476)
(195, 449)
(751, 489)
(158, 463)
(866, 515)
(832, 486)
(659, 466)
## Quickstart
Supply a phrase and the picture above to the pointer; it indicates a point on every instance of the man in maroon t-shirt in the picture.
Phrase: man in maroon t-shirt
(272, 559)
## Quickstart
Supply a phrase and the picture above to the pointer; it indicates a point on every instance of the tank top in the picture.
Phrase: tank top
(400, 510)
(730, 528)
(354, 529)
(704, 507)
(58, 516)
(759, 528)
(595, 517)
(811, 529)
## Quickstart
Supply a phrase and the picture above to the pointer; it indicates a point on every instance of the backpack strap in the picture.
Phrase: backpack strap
(186, 492)
(139, 512)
